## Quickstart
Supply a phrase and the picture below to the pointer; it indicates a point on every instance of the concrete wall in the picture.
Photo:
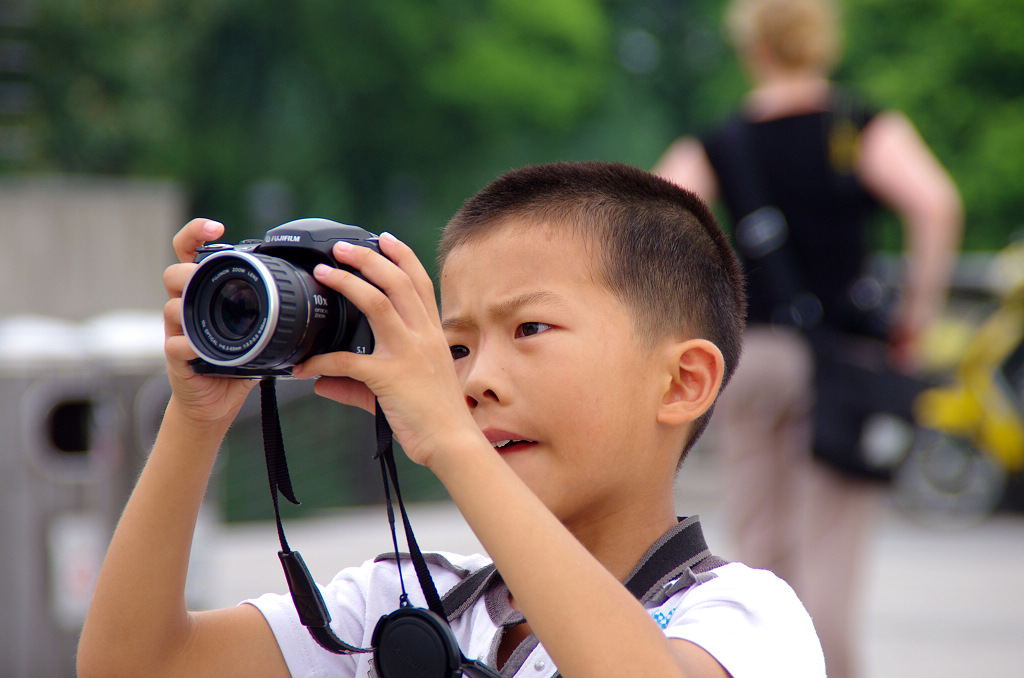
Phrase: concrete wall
(75, 247)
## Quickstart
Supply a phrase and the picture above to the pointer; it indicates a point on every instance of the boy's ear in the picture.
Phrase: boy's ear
(697, 369)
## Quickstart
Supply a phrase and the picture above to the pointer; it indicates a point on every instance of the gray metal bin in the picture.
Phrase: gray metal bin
(75, 426)
(60, 450)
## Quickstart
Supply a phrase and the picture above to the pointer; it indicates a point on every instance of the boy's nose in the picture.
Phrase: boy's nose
(482, 382)
(487, 395)
(480, 387)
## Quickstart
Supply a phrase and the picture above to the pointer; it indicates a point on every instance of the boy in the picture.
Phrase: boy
(590, 315)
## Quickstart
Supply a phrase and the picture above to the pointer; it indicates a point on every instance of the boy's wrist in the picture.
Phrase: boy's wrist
(458, 446)
(191, 422)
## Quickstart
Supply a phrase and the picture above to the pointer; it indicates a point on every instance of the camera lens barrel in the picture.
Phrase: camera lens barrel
(259, 311)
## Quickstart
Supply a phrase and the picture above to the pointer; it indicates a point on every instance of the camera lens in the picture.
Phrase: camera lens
(259, 311)
(236, 307)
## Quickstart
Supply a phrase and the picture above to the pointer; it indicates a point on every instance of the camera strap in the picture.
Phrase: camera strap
(309, 603)
(388, 469)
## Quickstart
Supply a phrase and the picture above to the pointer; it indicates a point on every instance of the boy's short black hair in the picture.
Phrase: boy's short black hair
(663, 254)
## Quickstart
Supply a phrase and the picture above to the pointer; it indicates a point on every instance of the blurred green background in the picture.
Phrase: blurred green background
(388, 114)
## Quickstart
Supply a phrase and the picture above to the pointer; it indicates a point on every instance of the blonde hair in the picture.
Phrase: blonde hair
(800, 34)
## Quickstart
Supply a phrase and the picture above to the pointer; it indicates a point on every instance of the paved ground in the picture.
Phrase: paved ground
(939, 604)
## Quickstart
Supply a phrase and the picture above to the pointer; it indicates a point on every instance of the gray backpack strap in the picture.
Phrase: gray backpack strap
(462, 596)
(680, 550)
(678, 560)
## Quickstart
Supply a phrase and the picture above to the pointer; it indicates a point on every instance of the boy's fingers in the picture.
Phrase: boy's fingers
(374, 303)
(172, 317)
(403, 257)
(389, 291)
(346, 391)
(176, 346)
(341, 364)
(194, 234)
(175, 278)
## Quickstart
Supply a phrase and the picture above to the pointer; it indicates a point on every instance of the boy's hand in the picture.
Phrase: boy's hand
(203, 398)
(410, 370)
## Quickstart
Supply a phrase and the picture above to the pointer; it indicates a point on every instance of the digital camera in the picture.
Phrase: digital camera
(254, 309)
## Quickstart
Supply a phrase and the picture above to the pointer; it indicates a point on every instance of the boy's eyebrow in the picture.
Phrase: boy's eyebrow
(502, 309)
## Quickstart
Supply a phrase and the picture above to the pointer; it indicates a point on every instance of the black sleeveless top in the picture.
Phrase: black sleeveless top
(805, 166)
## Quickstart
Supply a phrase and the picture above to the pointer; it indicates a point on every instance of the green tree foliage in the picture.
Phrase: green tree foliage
(376, 113)
(957, 68)
(107, 77)
(389, 113)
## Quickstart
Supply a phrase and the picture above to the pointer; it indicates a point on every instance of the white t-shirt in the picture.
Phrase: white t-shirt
(749, 620)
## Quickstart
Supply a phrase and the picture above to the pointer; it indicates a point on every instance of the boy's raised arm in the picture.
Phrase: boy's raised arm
(138, 624)
(588, 622)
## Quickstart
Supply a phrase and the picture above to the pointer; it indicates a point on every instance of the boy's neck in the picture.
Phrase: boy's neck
(619, 540)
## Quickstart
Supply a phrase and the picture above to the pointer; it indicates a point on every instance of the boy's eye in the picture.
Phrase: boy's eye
(529, 329)
(459, 351)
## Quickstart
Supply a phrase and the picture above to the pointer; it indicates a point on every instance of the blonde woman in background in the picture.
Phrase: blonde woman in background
(807, 522)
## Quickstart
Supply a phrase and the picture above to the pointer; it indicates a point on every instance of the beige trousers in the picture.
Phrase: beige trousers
(786, 512)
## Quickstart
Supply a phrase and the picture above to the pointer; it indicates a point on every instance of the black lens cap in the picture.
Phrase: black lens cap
(412, 642)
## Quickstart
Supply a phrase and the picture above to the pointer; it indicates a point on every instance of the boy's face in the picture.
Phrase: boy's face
(549, 359)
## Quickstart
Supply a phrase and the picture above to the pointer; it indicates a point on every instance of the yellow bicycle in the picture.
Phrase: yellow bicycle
(970, 431)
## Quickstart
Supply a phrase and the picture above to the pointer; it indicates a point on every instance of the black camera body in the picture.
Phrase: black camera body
(254, 309)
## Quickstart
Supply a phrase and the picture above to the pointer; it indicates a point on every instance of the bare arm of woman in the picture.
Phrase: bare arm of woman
(900, 170)
(686, 164)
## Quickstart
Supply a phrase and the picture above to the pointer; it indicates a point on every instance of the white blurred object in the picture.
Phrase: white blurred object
(126, 339)
(123, 339)
(36, 338)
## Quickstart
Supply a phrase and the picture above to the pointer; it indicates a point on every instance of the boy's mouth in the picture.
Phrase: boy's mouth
(506, 441)
(511, 445)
